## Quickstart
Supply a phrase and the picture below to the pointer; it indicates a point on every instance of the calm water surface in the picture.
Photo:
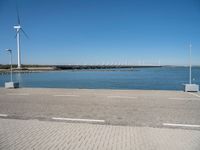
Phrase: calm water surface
(165, 78)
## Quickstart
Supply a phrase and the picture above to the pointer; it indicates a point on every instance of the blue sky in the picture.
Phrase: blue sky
(102, 31)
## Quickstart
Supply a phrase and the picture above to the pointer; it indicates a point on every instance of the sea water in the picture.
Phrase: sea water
(163, 78)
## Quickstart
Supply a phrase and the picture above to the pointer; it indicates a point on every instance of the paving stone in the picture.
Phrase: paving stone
(39, 135)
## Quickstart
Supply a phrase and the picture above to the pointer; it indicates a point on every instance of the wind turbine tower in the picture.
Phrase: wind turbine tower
(19, 28)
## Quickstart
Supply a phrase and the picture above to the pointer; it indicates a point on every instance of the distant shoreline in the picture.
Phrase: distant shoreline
(38, 68)
(48, 68)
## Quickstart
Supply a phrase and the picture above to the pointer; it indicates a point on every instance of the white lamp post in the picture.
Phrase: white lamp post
(190, 73)
(11, 84)
(191, 87)
(10, 51)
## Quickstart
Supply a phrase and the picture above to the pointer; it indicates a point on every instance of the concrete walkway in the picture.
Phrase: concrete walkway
(116, 107)
(39, 135)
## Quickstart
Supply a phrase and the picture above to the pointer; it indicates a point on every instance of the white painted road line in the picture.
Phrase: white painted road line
(66, 95)
(126, 97)
(181, 125)
(191, 99)
(79, 120)
(18, 94)
(3, 115)
(195, 94)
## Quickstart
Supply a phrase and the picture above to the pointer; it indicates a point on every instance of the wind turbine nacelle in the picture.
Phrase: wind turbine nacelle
(17, 27)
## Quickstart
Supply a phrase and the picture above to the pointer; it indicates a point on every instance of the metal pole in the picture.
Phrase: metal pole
(190, 73)
(11, 75)
(10, 52)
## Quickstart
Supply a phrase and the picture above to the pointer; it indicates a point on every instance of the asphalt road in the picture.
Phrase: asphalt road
(115, 107)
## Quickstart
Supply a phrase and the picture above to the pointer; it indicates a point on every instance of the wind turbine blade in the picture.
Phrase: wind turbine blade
(18, 18)
(15, 36)
(25, 33)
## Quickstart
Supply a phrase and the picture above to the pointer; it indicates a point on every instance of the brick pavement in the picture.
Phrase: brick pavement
(39, 135)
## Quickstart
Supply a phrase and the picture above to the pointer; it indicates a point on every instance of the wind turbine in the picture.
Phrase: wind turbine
(19, 29)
